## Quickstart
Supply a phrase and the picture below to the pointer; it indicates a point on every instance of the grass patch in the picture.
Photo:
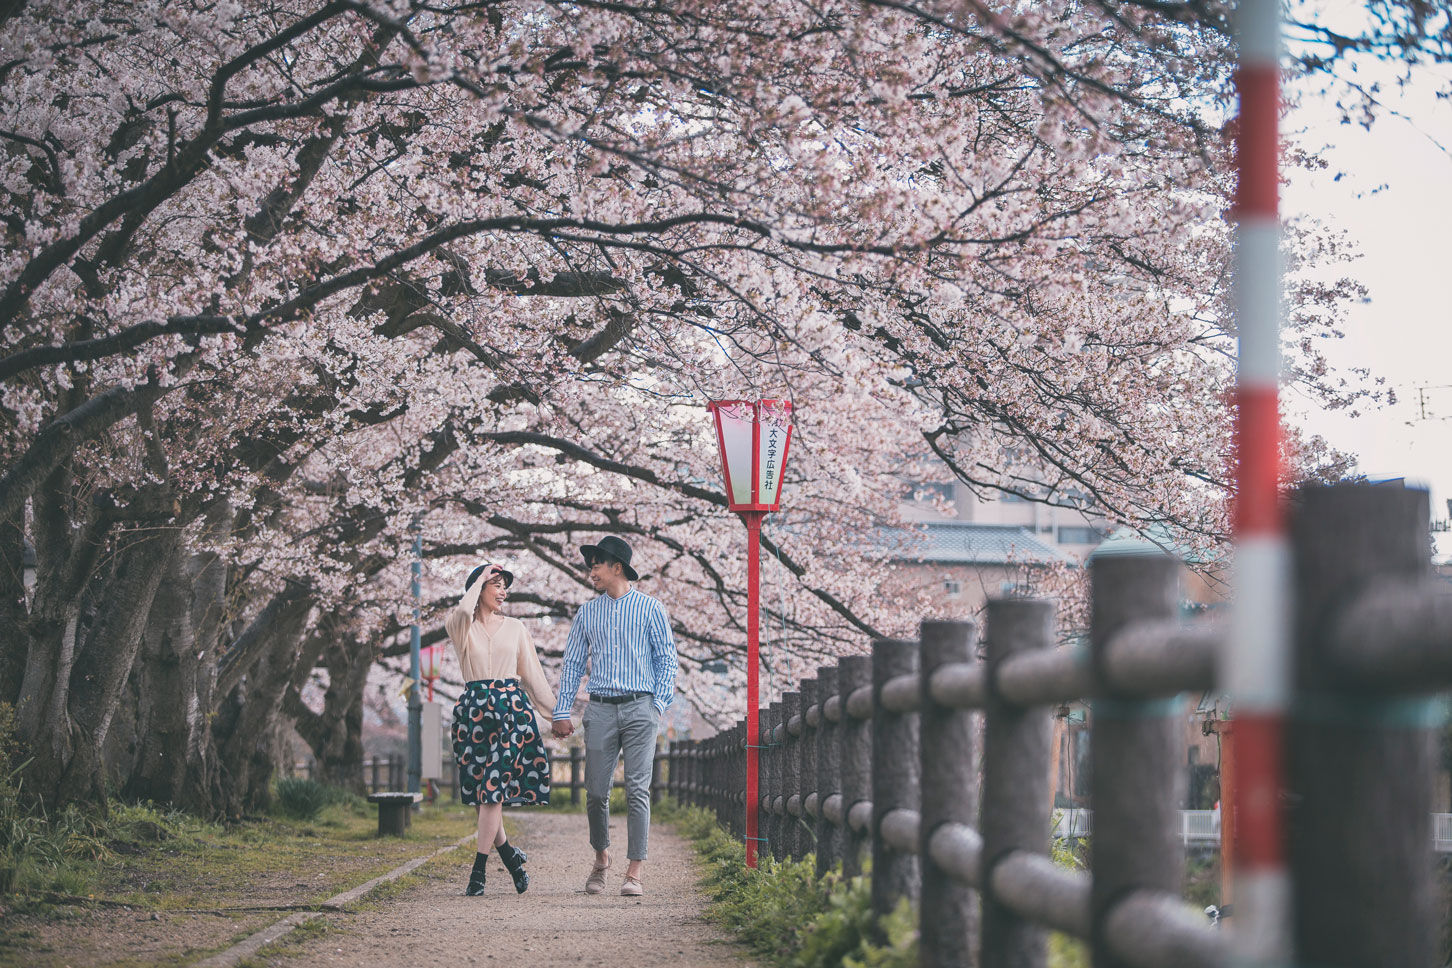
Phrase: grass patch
(43, 853)
(137, 884)
(435, 869)
(151, 859)
(176, 867)
(273, 860)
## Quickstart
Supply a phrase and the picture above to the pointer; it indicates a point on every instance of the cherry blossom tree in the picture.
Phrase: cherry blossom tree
(283, 281)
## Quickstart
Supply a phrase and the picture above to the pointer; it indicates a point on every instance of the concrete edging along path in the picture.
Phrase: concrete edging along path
(255, 942)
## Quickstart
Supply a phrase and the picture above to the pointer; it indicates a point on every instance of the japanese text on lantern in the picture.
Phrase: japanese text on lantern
(773, 453)
(773, 440)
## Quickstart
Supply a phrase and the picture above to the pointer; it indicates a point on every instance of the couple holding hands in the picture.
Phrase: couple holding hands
(625, 636)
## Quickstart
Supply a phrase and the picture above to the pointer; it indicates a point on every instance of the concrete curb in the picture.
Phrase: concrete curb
(253, 943)
(339, 901)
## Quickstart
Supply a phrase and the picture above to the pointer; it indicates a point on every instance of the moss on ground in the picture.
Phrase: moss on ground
(209, 885)
(273, 861)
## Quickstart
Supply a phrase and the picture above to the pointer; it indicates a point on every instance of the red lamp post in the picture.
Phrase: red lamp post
(753, 437)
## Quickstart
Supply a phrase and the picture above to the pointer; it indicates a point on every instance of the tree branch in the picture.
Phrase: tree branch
(120, 342)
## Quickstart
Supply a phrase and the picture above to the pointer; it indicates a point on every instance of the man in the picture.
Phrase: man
(632, 656)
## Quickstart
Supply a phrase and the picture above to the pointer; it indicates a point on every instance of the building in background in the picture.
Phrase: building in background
(961, 550)
(957, 566)
(1074, 531)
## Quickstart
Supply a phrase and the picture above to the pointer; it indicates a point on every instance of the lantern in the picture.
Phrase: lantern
(753, 438)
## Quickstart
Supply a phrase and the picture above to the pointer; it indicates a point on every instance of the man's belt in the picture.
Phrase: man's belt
(617, 700)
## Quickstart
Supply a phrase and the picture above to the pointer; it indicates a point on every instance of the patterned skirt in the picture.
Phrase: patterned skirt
(498, 747)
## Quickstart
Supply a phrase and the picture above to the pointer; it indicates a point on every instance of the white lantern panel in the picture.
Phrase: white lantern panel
(776, 421)
(736, 425)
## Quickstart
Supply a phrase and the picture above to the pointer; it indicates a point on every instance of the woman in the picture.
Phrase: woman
(497, 739)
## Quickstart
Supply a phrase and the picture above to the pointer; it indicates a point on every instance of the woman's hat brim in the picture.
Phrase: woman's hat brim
(507, 575)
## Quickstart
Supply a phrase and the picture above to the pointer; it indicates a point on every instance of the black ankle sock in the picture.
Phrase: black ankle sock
(481, 861)
(507, 852)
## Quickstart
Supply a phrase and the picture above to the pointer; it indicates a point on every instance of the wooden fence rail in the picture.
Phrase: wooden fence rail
(574, 783)
(881, 750)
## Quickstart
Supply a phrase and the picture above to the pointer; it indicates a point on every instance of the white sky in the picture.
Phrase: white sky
(1404, 331)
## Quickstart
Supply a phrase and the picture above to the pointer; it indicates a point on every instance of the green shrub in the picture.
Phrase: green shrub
(300, 798)
(789, 917)
(1066, 951)
(793, 920)
(842, 927)
(900, 931)
(770, 908)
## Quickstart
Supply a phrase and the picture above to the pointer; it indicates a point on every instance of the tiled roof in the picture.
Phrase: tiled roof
(966, 543)
(1154, 540)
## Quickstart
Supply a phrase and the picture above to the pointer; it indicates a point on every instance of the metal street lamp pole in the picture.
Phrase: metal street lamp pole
(754, 438)
(415, 698)
(752, 520)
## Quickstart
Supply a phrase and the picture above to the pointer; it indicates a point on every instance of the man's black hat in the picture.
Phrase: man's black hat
(612, 548)
(508, 576)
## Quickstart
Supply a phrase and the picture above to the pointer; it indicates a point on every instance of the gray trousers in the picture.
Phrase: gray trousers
(609, 729)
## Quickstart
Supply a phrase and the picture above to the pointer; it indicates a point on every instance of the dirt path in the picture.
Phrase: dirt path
(554, 923)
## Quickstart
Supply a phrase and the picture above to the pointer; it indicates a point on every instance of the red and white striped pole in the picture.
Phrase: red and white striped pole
(1258, 666)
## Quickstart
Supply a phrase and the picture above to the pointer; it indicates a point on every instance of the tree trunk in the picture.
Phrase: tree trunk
(103, 664)
(66, 558)
(13, 610)
(42, 715)
(336, 734)
(171, 756)
(245, 726)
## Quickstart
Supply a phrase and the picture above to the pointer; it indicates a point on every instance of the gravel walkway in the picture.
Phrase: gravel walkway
(554, 923)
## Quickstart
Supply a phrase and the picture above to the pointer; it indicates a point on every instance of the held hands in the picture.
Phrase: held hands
(563, 728)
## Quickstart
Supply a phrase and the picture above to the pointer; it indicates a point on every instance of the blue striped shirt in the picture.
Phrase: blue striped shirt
(630, 647)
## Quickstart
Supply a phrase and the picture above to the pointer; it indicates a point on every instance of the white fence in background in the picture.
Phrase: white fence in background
(1203, 826)
(1196, 826)
(1200, 826)
(1073, 822)
(1442, 832)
